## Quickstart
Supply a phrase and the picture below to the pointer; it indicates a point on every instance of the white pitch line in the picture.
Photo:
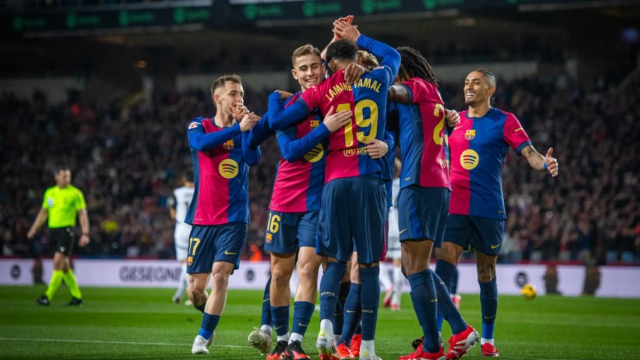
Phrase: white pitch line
(111, 342)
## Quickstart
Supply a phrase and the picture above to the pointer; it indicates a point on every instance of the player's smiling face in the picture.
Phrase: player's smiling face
(477, 89)
(231, 95)
(309, 71)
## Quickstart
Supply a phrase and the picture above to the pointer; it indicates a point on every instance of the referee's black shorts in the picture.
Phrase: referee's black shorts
(62, 240)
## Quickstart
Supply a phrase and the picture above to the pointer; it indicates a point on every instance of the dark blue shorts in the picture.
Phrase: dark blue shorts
(422, 213)
(353, 215)
(209, 244)
(483, 234)
(286, 232)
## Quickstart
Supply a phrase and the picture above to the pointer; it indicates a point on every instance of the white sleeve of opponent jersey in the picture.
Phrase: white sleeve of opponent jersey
(183, 196)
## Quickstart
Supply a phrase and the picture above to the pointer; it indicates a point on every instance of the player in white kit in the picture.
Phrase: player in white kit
(392, 299)
(181, 201)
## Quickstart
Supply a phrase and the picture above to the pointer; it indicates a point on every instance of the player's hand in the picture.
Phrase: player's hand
(452, 116)
(552, 163)
(84, 240)
(238, 111)
(284, 94)
(347, 19)
(31, 234)
(353, 72)
(346, 31)
(377, 149)
(249, 121)
(335, 121)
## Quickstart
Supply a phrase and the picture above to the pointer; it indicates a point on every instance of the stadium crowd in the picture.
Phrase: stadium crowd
(128, 161)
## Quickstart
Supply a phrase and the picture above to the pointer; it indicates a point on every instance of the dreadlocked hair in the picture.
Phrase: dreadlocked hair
(413, 64)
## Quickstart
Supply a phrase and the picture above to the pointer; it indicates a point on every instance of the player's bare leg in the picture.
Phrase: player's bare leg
(281, 270)
(196, 290)
(215, 303)
(486, 265)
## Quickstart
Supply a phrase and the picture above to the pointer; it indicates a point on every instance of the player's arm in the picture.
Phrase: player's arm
(539, 162)
(399, 94)
(259, 133)
(43, 214)
(172, 201)
(518, 139)
(390, 57)
(81, 209)
(280, 117)
(201, 141)
(293, 149)
(251, 155)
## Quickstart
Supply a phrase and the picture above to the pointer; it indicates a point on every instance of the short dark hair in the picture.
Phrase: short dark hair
(304, 50)
(492, 80)
(60, 167)
(413, 64)
(222, 80)
(188, 175)
(342, 50)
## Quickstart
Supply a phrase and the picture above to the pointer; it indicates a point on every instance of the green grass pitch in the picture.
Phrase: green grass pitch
(144, 323)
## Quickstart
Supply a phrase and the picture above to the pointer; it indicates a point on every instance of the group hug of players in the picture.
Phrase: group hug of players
(330, 204)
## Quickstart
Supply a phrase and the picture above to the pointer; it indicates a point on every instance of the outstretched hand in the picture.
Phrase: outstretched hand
(345, 30)
(551, 162)
(453, 117)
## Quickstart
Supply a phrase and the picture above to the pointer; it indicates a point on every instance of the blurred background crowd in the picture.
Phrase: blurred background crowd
(116, 111)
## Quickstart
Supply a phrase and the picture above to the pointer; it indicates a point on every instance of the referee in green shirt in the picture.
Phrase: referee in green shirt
(60, 205)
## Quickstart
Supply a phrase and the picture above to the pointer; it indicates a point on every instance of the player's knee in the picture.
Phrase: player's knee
(447, 253)
(219, 279)
(308, 271)
(486, 272)
(195, 292)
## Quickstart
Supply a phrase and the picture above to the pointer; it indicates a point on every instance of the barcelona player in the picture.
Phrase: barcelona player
(479, 145)
(293, 216)
(353, 204)
(423, 200)
(219, 211)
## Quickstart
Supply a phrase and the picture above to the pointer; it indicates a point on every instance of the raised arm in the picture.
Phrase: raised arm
(280, 117)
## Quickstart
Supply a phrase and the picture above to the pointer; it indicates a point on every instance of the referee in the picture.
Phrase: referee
(60, 205)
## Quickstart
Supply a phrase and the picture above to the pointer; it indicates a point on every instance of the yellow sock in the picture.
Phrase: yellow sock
(72, 284)
(54, 283)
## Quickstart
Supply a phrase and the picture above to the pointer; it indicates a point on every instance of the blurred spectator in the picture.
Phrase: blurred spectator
(126, 161)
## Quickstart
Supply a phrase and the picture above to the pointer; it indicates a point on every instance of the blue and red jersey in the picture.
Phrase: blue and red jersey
(367, 100)
(300, 176)
(221, 159)
(423, 137)
(478, 150)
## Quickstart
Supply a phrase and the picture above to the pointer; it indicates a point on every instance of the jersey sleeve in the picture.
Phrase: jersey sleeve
(260, 132)
(390, 62)
(80, 203)
(251, 155)
(45, 204)
(172, 201)
(201, 141)
(421, 91)
(514, 134)
(293, 149)
(281, 117)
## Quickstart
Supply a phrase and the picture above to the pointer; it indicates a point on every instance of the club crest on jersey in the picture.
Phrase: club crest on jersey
(228, 145)
(470, 134)
(314, 124)
(190, 260)
(269, 238)
(193, 125)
